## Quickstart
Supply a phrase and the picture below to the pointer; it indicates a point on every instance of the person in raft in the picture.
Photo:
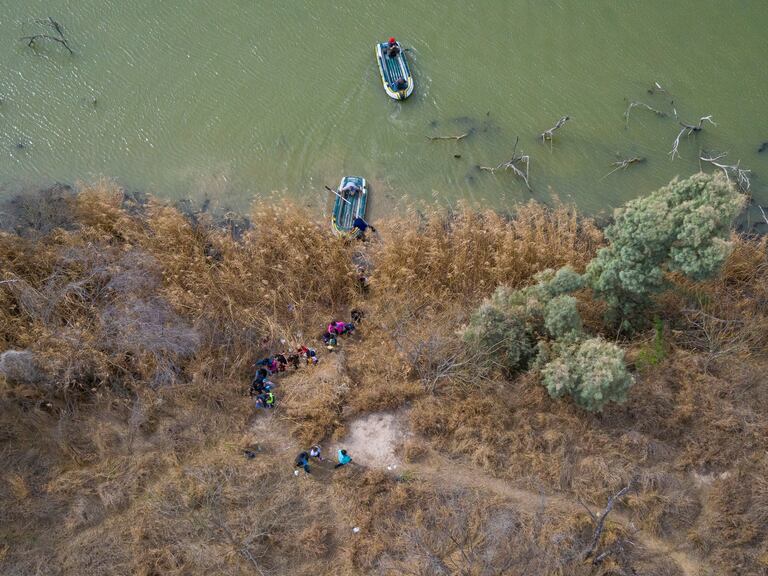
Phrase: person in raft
(350, 189)
(393, 50)
(344, 458)
(401, 83)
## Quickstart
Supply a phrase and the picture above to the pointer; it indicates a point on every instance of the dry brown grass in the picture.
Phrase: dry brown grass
(314, 398)
(122, 437)
(446, 256)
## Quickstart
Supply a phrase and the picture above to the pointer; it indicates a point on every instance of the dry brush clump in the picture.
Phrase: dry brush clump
(727, 316)
(418, 525)
(127, 335)
(313, 399)
(442, 257)
(693, 414)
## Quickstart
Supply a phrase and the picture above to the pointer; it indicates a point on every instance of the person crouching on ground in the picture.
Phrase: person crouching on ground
(344, 458)
(266, 400)
(361, 226)
(302, 461)
(329, 339)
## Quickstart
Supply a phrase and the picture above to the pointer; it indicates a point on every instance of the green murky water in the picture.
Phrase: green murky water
(228, 99)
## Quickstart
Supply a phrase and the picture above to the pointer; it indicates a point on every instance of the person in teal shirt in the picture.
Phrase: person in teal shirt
(344, 458)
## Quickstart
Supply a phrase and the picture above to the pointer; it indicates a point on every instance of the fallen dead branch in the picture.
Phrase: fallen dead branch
(31, 40)
(457, 138)
(601, 522)
(763, 213)
(689, 129)
(55, 27)
(716, 337)
(698, 127)
(624, 164)
(636, 104)
(549, 134)
(514, 164)
(735, 171)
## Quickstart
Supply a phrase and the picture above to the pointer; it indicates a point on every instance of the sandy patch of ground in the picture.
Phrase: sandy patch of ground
(375, 440)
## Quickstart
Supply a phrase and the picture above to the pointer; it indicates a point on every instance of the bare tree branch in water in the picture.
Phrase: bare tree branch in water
(55, 27)
(514, 164)
(457, 138)
(765, 217)
(698, 127)
(676, 144)
(656, 88)
(739, 174)
(548, 134)
(624, 164)
(689, 129)
(635, 104)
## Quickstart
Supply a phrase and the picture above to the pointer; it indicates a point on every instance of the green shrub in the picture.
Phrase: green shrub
(561, 317)
(499, 334)
(564, 281)
(681, 227)
(508, 326)
(591, 371)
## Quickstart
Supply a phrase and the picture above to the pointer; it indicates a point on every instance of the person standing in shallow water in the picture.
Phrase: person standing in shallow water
(344, 458)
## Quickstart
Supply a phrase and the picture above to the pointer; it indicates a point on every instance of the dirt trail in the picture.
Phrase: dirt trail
(374, 441)
(450, 473)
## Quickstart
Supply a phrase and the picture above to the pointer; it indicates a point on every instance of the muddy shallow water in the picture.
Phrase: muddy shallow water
(227, 100)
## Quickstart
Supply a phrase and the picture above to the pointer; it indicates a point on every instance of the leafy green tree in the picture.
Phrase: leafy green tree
(591, 371)
(682, 227)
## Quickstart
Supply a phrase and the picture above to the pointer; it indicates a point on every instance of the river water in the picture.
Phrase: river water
(229, 99)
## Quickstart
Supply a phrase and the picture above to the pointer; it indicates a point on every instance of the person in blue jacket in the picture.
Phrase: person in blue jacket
(344, 458)
(361, 226)
(302, 461)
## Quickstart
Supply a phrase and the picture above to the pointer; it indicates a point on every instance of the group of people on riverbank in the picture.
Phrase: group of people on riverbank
(262, 385)
(335, 329)
(302, 460)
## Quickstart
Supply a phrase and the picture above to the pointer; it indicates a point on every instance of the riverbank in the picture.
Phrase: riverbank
(133, 329)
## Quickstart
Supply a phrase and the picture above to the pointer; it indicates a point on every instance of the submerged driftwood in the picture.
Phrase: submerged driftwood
(514, 164)
(55, 28)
